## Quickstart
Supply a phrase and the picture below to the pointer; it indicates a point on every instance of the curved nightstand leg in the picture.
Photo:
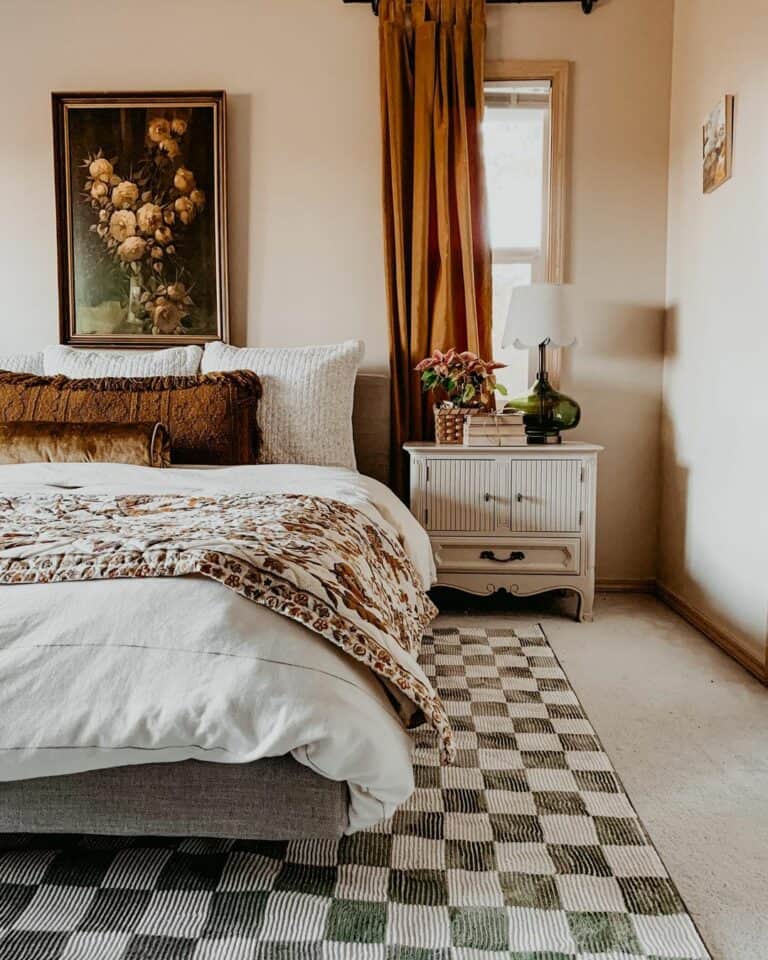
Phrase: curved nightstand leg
(586, 607)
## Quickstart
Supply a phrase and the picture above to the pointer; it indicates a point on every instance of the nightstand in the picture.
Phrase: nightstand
(518, 518)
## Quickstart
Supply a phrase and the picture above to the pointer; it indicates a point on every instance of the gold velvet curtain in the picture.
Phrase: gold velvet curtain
(436, 240)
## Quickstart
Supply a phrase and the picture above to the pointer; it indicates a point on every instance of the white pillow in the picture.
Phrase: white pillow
(79, 364)
(22, 363)
(305, 413)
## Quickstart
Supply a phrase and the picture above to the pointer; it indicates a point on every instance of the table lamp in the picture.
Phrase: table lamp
(539, 317)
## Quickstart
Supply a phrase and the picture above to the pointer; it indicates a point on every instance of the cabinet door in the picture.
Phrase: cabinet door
(459, 494)
(545, 496)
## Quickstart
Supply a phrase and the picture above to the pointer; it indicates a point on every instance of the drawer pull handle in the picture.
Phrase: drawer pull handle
(490, 555)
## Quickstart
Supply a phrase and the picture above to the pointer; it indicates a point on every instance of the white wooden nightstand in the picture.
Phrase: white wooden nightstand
(518, 518)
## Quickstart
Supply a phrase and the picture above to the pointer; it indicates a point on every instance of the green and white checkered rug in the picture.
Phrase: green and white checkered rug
(526, 849)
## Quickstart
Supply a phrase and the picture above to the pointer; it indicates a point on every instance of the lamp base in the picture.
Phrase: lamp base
(546, 412)
(534, 435)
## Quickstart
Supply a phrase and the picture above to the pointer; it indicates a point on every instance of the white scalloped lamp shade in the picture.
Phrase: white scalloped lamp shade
(539, 313)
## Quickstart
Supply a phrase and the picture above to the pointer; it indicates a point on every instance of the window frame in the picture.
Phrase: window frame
(557, 72)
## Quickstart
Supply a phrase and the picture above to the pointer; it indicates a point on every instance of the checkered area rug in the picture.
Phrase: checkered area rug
(526, 849)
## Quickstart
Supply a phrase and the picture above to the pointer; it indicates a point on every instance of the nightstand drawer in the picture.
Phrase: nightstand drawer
(521, 555)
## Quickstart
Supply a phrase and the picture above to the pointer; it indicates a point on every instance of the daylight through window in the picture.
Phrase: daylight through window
(516, 135)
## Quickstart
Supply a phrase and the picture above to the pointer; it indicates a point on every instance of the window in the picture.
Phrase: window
(522, 134)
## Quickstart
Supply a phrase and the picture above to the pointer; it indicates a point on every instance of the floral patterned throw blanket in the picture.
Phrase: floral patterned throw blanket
(312, 559)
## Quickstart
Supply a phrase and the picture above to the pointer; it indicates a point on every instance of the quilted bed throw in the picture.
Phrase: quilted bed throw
(313, 559)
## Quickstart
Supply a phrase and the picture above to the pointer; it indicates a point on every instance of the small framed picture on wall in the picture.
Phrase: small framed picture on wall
(141, 218)
(718, 145)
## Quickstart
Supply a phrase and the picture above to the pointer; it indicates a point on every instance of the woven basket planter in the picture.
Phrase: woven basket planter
(449, 424)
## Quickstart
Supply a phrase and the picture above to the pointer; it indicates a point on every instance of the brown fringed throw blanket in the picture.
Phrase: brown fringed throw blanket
(313, 559)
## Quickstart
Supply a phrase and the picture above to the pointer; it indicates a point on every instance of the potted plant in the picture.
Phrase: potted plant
(462, 382)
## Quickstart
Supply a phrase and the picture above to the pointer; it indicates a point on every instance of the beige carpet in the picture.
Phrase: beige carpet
(687, 730)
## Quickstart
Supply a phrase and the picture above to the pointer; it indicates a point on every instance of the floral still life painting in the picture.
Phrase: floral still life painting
(718, 145)
(141, 218)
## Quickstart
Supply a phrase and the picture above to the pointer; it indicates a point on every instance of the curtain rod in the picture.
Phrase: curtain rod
(586, 5)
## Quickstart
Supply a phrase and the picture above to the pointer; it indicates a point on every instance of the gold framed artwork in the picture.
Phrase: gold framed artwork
(141, 218)
(717, 140)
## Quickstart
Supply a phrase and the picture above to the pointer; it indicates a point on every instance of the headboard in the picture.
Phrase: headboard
(370, 424)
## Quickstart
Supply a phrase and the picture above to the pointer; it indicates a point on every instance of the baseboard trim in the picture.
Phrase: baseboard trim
(626, 586)
(712, 631)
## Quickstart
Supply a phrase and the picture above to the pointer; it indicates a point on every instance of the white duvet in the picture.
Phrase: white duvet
(113, 673)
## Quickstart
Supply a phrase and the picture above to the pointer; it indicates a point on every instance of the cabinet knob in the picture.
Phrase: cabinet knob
(519, 498)
(487, 498)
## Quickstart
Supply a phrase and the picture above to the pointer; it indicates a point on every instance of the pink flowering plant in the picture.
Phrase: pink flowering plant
(464, 378)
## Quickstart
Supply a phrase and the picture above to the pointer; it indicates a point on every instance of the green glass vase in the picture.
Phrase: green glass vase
(546, 412)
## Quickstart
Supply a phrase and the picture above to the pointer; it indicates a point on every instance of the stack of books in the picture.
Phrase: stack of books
(494, 430)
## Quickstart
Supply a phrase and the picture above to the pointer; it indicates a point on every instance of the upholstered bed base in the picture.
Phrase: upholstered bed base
(273, 799)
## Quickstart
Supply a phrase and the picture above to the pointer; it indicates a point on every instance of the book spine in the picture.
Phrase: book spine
(498, 442)
(497, 422)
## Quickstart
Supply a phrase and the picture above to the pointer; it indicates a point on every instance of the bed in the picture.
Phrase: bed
(177, 707)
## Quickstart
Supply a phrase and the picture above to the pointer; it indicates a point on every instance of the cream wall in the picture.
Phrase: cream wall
(619, 129)
(305, 240)
(304, 158)
(715, 474)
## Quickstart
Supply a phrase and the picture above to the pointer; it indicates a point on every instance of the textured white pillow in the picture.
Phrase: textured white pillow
(305, 413)
(79, 364)
(22, 363)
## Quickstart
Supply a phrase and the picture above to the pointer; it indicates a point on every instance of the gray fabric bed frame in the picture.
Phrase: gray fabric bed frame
(274, 799)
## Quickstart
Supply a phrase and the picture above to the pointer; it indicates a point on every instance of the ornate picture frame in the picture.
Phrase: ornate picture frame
(717, 149)
(141, 218)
